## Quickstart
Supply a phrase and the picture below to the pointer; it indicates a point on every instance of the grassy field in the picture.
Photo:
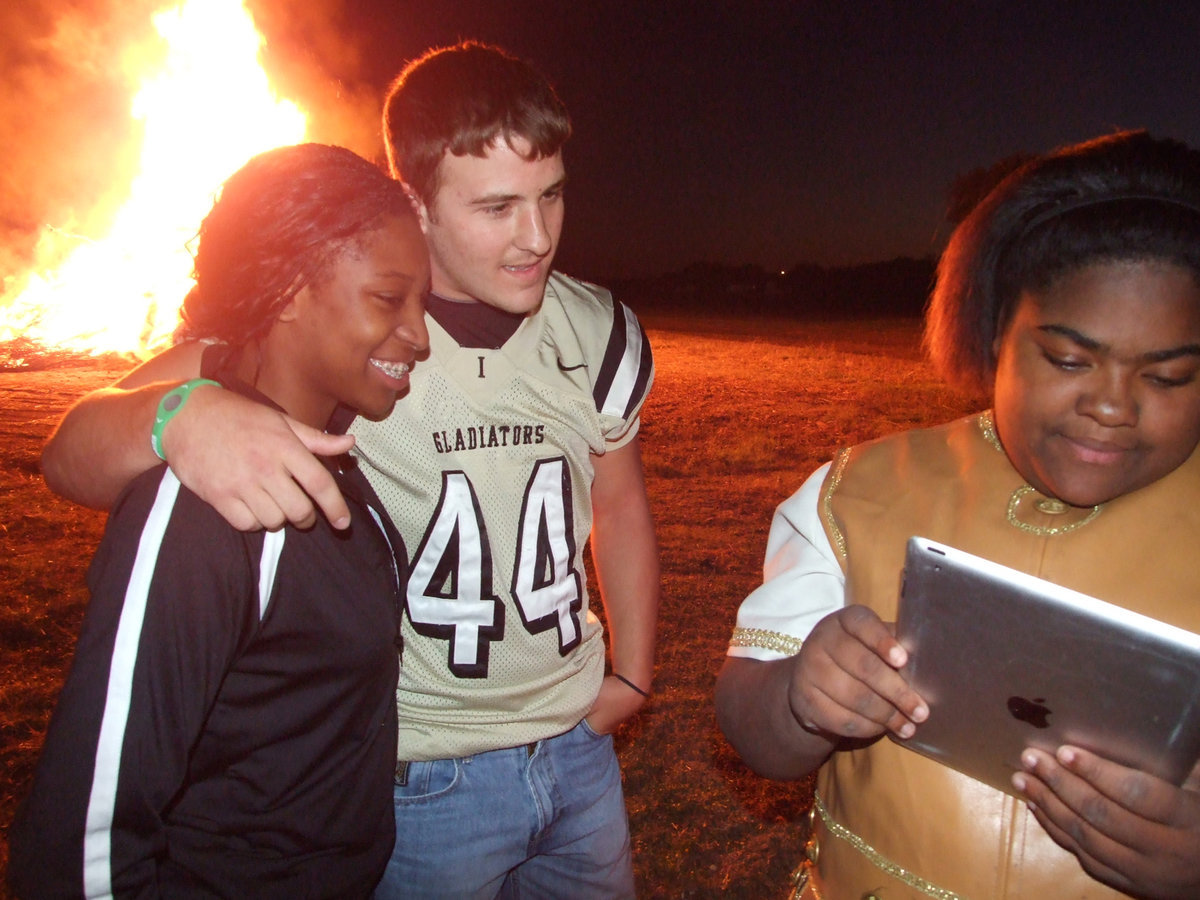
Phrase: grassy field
(741, 412)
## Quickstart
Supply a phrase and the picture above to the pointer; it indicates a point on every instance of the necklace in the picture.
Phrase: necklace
(1046, 506)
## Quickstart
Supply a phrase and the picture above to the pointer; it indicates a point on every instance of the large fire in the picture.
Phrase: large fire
(203, 112)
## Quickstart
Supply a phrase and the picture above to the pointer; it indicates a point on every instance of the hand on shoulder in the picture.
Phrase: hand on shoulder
(253, 464)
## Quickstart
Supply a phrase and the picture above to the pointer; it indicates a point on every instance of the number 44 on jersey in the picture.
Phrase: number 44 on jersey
(450, 592)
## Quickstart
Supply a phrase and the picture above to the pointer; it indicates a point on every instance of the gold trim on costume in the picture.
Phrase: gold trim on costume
(1046, 506)
(765, 640)
(900, 873)
(802, 875)
(831, 484)
(801, 879)
(987, 425)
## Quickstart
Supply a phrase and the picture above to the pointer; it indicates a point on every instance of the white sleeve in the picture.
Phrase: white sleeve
(802, 580)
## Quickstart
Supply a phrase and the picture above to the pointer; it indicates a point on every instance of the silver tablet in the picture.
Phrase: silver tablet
(1008, 661)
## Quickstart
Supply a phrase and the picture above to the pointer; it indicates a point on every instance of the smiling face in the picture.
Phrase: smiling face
(1097, 389)
(352, 336)
(494, 224)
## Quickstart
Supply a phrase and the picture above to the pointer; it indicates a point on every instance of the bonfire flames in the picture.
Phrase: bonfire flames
(202, 111)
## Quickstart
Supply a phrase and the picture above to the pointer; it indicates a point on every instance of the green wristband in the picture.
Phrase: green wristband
(168, 407)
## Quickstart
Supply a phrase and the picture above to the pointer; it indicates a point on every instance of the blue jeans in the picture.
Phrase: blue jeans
(543, 821)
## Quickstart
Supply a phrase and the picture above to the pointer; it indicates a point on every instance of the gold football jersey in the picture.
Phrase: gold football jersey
(485, 467)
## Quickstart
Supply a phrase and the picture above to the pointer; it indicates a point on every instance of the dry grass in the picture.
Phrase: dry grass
(48, 543)
(742, 411)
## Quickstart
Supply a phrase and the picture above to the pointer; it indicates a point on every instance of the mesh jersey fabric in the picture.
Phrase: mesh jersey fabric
(485, 467)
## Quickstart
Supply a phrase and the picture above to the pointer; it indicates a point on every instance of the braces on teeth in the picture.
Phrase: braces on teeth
(394, 369)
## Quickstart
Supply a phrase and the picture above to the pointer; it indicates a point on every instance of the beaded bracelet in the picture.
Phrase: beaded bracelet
(631, 685)
(168, 407)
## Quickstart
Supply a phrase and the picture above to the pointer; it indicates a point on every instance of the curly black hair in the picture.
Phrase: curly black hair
(279, 221)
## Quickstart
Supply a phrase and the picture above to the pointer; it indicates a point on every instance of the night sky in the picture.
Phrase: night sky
(768, 133)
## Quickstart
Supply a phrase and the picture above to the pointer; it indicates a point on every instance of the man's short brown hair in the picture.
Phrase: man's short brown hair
(462, 99)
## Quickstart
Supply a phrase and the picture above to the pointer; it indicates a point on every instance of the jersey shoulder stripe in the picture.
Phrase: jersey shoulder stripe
(625, 372)
(613, 344)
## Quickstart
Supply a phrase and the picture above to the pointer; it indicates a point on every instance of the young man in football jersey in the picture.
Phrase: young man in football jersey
(518, 444)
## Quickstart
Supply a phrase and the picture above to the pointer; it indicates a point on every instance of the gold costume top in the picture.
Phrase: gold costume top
(891, 823)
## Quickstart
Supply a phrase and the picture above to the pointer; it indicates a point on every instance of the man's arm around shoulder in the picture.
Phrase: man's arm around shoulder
(103, 441)
(254, 465)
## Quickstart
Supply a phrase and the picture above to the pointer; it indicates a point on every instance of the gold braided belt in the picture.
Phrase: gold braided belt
(802, 876)
(766, 640)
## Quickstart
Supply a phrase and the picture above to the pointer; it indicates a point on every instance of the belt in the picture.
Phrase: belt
(402, 765)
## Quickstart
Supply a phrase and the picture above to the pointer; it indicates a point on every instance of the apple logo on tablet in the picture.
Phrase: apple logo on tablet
(1034, 712)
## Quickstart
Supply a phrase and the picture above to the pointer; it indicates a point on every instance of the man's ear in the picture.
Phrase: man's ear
(419, 208)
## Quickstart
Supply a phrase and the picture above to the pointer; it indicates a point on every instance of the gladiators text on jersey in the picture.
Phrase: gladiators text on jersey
(482, 437)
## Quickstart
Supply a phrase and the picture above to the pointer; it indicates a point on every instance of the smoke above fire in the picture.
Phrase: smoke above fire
(73, 69)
